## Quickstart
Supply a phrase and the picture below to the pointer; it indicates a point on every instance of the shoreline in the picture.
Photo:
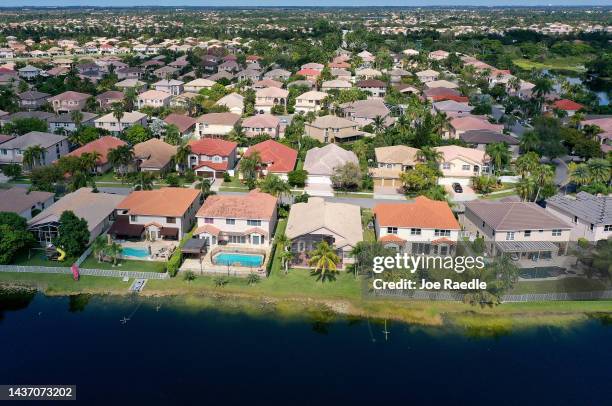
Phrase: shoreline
(501, 319)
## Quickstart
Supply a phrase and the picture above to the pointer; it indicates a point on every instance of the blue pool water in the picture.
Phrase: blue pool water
(135, 252)
(239, 259)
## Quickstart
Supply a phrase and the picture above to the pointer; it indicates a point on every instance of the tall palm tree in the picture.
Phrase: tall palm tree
(325, 260)
(529, 141)
(286, 256)
(525, 188)
(527, 163)
(114, 250)
(249, 167)
(544, 175)
(499, 154)
(129, 99)
(182, 156)
(430, 156)
(90, 160)
(100, 245)
(121, 157)
(542, 87)
(238, 135)
(514, 83)
(118, 112)
(33, 155)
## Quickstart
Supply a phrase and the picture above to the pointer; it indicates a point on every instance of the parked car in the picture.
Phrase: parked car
(457, 188)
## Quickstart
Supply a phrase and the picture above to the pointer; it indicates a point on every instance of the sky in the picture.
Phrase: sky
(234, 3)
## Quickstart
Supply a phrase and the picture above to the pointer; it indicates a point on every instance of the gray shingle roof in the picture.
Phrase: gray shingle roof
(510, 216)
(594, 209)
(45, 140)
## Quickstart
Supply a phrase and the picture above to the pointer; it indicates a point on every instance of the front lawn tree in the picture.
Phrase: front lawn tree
(347, 177)
(73, 234)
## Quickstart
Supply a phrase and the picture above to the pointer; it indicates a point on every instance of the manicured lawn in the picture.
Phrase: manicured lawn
(562, 285)
(107, 177)
(500, 195)
(126, 265)
(36, 257)
(64, 284)
(364, 195)
(575, 64)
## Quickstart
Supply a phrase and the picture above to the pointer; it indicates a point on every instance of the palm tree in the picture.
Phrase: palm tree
(118, 112)
(129, 99)
(525, 188)
(90, 160)
(100, 246)
(325, 261)
(275, 186)
(430, 155)
(77, 117)
(499, 154)
(121, 157)
(205, 185)
(579, 174)
(182, 156)
(529, 141)
(114, 251)
(286, 256)
(238, 135)
(599, 169)
(526, 164)
(514, 83)
(379, 124)
(542, 87)
(249, 167)
(143, 181)
(544, 175)
(33, 155)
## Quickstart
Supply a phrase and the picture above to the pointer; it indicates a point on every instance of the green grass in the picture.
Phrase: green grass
(126, 265)
(107, 177)
(568, 285)
(500, 195)
(36, 257)
(64, 284)
(364, 195)
(570, 63)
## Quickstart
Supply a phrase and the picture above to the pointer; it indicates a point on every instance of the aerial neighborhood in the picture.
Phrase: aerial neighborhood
(242, 156)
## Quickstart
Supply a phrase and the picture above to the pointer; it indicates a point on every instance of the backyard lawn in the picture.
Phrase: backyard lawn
(36, 257)
(574, 64)
(126, 265)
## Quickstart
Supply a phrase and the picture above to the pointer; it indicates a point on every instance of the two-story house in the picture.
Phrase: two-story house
(261, 124)
(269, 97)
(333, 129)
(310, 102)
(391, 162)
(55, 146)
(216, 125)
(523, 230)
(423, 226)
(172, 86)
(212, 157)
(589, 216)
(238, 220)
(460, 164)
(110, 123)
(32, 100)
(154, 98)
(167, 213)
(68, 102)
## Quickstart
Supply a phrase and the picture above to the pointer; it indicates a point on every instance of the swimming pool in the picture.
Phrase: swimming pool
(238, 259)
(135, 252)
(541, 273)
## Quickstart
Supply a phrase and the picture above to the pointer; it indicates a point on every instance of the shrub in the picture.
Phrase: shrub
(297, 178)
(227, 177)
(220, 281)
(174, 263)
(173, 180)
(189, 276)
(189, 176)
(253, 278)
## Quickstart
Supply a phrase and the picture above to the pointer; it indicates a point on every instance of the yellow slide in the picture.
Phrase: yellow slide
(62, 254)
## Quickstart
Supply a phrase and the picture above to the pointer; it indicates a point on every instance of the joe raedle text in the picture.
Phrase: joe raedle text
(412, 263)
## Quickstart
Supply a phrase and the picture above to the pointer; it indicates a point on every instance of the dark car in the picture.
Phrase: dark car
(457, 188)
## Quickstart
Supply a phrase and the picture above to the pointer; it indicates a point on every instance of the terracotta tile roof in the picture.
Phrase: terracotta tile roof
(474, 123)
(216, 166)
(254, 205)
(308, 72)
(422, 213)
(569, 105)
(391, 238)
(261, 121)
(207, 228)
(165, 202)
(451, 152)
(182, 122)
(70, 95)
(279, 158)
(212, 146)
(102, 146)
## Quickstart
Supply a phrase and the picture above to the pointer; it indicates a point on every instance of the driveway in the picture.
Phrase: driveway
(467, 194)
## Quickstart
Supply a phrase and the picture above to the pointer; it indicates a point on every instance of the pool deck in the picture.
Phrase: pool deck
(156, 247)
(205, 265)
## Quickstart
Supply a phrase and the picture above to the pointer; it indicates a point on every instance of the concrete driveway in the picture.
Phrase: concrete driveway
(467, 194)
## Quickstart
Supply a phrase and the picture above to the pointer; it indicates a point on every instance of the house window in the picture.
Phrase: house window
(391, 230)
(255, 223)
(230, 221)
(256, 239)
(575, 219)
(209, 220)
(170, 220)
(527, 233)
(556, 233)
(446, 165)
(465, 167)
(510, 236)
(415, 231)
(133, 218)
(608, 227)
(592, 227)
(442, 233)
(237, 239)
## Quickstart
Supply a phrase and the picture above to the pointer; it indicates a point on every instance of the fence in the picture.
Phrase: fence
(113, 273)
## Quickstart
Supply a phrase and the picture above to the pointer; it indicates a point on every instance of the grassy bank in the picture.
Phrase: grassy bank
(569, 64)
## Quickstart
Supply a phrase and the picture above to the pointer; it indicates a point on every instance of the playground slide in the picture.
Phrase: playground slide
(62, 254)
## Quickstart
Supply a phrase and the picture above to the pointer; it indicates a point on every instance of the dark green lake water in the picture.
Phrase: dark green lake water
(176, 355)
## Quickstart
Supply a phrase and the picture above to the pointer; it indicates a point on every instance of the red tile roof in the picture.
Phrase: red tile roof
(254, 205)
(568, 105)
(422, 213)
(168, 201)
(216, 166)
(212, 146)
(391, 238)
(279, 158)
(102, 146)
(308, 72)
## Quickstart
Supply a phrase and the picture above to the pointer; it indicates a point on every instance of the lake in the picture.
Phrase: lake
(172, 353)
